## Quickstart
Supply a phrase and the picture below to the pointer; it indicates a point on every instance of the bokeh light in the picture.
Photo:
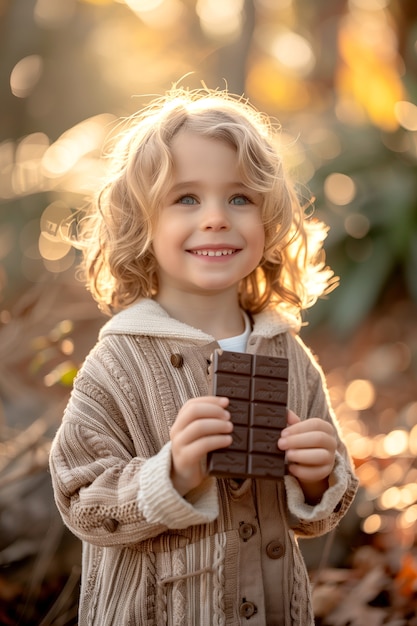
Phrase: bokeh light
(408, 518)
(396, 442)
(7, 240)
(357, 225)
(390, 498)
(339, 188)
(406, 114)
(158, 14)
(81, 140)
(387, 360)
(410, 414)
(372, 524)
(360, 394)
(369, 5)
(220, 19)
(294, 52)
(413, 440)
(340, 85)
(53, 13)
(369, 79)
(25, 75)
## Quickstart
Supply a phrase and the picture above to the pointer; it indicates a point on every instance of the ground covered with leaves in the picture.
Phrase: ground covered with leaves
(364, 574)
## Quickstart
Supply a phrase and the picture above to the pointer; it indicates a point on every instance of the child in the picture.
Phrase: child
(197, 241)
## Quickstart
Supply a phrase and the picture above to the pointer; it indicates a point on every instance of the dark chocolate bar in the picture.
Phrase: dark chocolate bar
(257, 388)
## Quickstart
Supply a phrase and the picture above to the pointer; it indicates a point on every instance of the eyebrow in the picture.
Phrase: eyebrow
(194, 183)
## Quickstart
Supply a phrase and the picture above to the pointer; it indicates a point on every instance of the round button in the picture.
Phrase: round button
(247, 609)
(110, 524)
(177, 360)
(246, 531)
(275, 549)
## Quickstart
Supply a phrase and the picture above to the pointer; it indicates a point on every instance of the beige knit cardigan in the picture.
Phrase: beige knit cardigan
(226, 553)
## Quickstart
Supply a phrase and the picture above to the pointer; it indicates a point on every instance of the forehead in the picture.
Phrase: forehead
(194, 153)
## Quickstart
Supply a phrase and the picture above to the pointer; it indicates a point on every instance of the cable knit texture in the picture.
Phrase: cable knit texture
(226, 553)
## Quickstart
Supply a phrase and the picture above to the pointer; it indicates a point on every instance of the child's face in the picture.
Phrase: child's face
(209, 234)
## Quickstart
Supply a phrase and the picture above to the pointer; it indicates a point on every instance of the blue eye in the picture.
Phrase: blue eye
(240, 200)
(186, 200)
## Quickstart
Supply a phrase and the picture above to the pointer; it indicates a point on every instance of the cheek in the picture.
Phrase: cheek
(167, 246)
(161, 246)
(163, 233)
(258, 239)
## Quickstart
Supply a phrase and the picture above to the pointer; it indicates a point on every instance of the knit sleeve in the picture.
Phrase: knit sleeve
(106, 493)
(160, 502)
(313, 520)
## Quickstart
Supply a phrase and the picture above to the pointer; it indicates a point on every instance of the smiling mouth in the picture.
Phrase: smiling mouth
(226, 252)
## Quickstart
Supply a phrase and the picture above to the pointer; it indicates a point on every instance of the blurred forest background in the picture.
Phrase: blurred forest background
(341, 78)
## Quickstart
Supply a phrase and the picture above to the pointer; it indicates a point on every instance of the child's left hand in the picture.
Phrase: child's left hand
(310, 447)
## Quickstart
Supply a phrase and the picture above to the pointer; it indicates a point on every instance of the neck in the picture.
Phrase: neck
(217, 316)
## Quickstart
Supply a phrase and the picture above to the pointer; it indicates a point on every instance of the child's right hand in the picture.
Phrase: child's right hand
(202, 425)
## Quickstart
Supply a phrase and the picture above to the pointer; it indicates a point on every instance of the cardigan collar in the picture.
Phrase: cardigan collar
(147, 317)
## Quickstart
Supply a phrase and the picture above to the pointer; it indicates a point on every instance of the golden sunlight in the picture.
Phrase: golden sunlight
(271, 86)
(368, 75)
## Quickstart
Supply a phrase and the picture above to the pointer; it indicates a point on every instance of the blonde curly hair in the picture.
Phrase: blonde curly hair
(115, 233)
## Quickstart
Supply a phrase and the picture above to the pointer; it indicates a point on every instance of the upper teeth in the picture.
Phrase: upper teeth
(213, 252)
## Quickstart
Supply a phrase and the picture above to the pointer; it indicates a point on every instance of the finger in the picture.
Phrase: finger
(307, 440)
(307, 474)
(313, 457)
(201, 428)
(200, 408)
(199, 448)
(221, 400)
(204, 407)
(309, 426)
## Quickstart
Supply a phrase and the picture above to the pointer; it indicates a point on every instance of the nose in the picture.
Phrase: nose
(215, 217)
